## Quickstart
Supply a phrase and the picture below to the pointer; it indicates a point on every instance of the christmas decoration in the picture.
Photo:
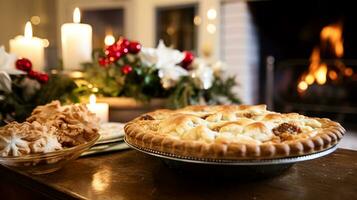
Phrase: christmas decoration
(43, 78)
(104, 62)
(22, 88)
(126, 69)
(130, 70)
(7, 62)
(18, 103)
(134, 47)
(24, 64)
(123, 42)
(187, 59)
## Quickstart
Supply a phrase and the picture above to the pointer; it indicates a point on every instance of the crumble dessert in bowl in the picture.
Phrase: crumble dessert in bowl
(51, 137)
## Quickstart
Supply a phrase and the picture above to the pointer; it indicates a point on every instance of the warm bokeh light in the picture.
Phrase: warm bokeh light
(333, 75)
(320, 74)
(211, 14)
(35, 20)
(211, 28)
(197, 20)
(95, 90)
(109, 40)
(28, 30)
(76, 15)
(310, 79)
(302, 86)
(348, 71)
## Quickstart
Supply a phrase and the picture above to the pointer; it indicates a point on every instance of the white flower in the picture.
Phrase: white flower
(5, 82)
(203, 74)
(7, 62)
(218, 67)
(162, 56)
(166, 60)
(170, 75)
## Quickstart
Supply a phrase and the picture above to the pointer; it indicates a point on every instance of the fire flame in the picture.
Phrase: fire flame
(333, 35)
(331, 39)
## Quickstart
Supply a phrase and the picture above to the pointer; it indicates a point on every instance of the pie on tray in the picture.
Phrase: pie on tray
(231, 132)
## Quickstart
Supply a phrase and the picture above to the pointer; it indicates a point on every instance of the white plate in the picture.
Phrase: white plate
(111, 132)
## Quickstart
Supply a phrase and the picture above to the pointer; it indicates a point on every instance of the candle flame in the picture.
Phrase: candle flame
(109, 40)
(92, 99)
(28, 30)
(76, 15)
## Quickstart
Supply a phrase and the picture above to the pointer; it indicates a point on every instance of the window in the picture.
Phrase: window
(175, 26)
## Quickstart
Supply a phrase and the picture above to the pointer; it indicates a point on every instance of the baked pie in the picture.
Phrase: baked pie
(231, 132)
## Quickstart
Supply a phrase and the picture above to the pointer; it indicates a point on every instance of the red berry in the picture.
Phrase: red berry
(103, 62)
(24, 64)
(33, 74)
(126, 69)
(123, 42)
(42, 78)
(111, 48)
(123, 50)
(39, 76)
(187, 60)
(114, 56)
(134, 47)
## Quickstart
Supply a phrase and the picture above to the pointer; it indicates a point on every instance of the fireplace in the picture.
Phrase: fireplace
(307, 57)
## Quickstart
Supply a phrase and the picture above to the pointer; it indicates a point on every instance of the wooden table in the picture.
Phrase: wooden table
(133, 175)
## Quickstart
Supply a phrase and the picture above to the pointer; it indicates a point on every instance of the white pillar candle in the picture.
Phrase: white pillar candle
(29, 47)
(100, 109)
(76, 43)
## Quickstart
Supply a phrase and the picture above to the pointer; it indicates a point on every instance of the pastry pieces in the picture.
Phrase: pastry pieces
(232, 132)
(75, 124)
(50, 128)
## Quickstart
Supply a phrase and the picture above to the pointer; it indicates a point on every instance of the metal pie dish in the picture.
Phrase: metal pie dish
(216, 168)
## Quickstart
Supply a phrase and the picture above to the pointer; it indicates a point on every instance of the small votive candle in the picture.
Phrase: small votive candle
(100, 109)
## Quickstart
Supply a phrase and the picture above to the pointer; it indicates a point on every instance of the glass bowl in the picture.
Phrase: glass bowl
(43, 163)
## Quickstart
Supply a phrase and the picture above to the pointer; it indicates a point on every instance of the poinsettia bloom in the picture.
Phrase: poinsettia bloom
(5, 82)
(162, 56)
(170, 75)
(167, 60)
(203, 73)
(7, 62)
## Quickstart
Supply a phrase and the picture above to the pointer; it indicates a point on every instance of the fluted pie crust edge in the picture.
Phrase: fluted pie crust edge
(136, 134)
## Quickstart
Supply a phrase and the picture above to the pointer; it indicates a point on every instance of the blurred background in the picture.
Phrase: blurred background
(295, 56)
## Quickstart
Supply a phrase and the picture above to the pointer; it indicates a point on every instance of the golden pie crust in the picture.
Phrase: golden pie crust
(232, 132)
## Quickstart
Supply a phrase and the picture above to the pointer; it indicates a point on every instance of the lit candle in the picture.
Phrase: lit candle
(100, 109)
(29, 47)
(76, 43)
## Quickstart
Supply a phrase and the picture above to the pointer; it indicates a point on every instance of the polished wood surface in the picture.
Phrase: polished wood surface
(134, 175)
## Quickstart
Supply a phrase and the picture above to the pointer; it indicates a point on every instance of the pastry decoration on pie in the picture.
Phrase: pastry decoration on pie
(231, 132)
